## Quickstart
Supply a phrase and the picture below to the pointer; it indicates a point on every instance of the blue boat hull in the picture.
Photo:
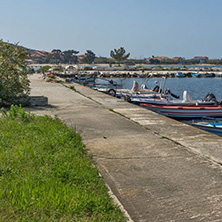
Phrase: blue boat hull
(215, 128)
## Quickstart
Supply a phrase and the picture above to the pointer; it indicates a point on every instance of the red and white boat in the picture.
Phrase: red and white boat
(159, 96)
(186, 111)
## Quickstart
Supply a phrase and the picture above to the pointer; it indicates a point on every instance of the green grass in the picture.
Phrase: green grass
(46, 174)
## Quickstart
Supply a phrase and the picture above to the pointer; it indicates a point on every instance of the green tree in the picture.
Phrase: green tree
(90, 56)
(101, 60)
(57, 56)
(48, 58)
(154, 61)
(70, 56)
(119, 54)
(43, 69)
(14, 83)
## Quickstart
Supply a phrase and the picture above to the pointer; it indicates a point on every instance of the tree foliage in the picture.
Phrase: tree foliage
(14, 83)
(69, 56)
(57, 56)
(43, 69)
(154, 61)
(119, 54)
(90, 56)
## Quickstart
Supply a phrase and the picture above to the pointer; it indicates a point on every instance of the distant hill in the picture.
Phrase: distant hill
(29, 50)
(35, 55)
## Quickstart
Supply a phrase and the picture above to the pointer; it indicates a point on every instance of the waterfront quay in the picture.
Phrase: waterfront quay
(157, 168)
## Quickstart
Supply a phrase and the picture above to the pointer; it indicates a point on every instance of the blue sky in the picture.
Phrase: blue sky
(144, 28)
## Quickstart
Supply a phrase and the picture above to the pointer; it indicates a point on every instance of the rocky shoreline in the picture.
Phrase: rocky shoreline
(139, 71)
(133, 74)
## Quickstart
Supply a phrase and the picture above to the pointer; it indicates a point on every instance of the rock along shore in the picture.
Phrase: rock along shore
(131, 72)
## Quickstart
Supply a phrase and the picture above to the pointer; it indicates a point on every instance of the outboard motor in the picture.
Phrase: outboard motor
(210, 97)
(167, 92)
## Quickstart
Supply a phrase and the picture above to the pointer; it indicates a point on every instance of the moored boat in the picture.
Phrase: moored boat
(143, 94)
(212, 127)
(166, 99)
(205, 75)
(159, 96)
(187, 111)
(180, 75)
(194, 74)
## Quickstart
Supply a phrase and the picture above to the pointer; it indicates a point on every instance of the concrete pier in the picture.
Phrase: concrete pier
(159, 169)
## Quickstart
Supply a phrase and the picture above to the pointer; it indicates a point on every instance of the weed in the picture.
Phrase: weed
(17, 112)
(72, 88)
(46, 175)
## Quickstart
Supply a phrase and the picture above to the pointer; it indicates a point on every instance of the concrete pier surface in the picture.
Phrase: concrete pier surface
(158, 168)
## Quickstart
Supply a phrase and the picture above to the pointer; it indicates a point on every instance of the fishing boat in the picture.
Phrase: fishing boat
(180, 75)
(161, 96)
(106, 86)
(82, 79)
(143, 94)
(194, 74)
(205, 75)
(168, 98)
(210, 126)
(186, 111)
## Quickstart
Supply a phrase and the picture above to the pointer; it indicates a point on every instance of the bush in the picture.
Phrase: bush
(17, 112)
(14, 83)
(43, 69)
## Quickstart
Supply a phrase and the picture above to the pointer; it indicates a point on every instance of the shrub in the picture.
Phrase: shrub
(17, 112)
(14, 83)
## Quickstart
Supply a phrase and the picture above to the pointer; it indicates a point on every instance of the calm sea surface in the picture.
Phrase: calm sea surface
(196, 87)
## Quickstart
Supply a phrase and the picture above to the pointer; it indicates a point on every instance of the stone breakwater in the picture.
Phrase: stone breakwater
(72, 71)
(134, 74)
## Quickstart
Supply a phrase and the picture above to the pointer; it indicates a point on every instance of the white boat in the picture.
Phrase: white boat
(159, 96)
(142, 94)
(166, 99)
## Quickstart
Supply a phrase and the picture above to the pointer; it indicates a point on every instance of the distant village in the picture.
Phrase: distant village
(72, 57)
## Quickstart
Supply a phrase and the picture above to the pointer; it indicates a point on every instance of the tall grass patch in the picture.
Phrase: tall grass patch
(46, 174)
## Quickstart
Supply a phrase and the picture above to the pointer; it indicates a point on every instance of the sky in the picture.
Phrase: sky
(144, 28)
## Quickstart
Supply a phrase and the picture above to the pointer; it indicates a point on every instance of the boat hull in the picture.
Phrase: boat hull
(155, 100)
(215, 128)
(189, 111)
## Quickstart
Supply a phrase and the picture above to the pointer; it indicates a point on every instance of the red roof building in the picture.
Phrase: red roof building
(202, 59)
(81, 57)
